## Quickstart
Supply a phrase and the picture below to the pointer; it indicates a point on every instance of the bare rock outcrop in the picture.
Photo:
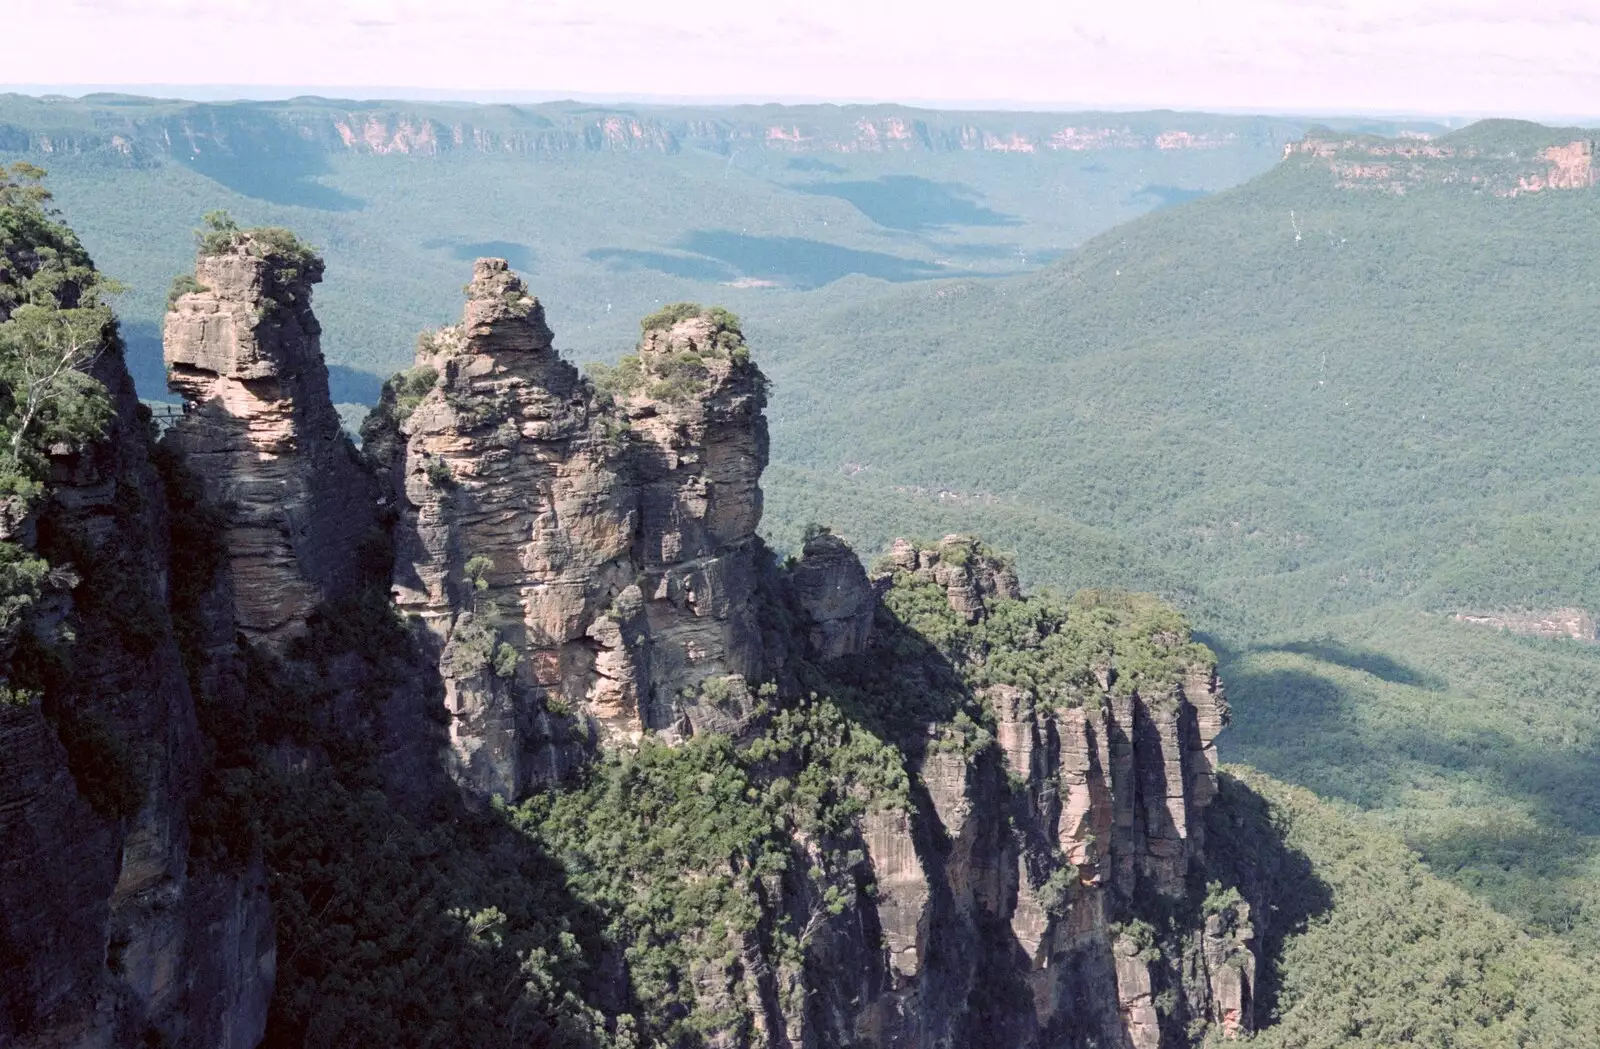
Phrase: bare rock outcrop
(1084, 811)
(968, 572)
(1575, 623)
(111, 932)
(570, 550)
(260, 431)
(833, 590)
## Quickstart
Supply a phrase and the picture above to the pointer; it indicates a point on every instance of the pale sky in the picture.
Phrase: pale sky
(1441, 57)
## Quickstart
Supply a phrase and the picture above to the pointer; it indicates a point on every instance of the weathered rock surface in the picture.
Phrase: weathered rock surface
(110, 933)
(572, 551)
(1575, 623)
(968, 575)
(833, 589)
(260, 431)
(1053, 841)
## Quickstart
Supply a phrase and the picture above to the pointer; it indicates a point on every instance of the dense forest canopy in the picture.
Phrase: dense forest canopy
(1325, 419)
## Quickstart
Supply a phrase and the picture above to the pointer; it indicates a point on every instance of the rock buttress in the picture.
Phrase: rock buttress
(1024, 871)
(110, 932)
(571, 551)
(260, 431)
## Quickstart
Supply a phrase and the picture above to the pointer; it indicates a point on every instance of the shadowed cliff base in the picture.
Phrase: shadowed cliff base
(1248, 853)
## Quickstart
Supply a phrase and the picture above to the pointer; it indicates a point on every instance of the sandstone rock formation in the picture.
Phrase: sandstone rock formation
(111, 934)
(955, 564)
(579, 562)
(834, 591)
(260, 431)
(569, 550)
(1092, 809)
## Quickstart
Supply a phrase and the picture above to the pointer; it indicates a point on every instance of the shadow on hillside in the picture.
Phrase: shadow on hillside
(142, 351)
(722, 255)
(1246, 851)
(256, 155)
(274, 179)
(520, 256)
(1166, 196)
(1515, 867)
(1302, 728)
(1561, 784)
(813, 164)
(689, 267)
(352, 385)
(1363, 659)
(1305, 728)
(804, 263)
(913, 204)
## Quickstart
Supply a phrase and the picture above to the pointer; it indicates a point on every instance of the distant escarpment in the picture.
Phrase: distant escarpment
(509, 728)
(1504, 158)
(133, 131)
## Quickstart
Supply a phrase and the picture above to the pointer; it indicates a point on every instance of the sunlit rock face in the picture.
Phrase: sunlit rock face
(260, 431)
(570, 550)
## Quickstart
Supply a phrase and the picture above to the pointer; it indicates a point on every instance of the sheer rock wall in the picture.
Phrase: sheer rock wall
(1017, 875)
(573, 551)
(111, 933)
(259, 429)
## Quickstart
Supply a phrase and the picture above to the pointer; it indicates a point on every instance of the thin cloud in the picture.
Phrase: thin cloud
(1468, 57)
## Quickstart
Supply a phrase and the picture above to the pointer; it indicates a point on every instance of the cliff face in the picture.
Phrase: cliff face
(111, 933)
(960, 815)
(1026, 872)
(203, 134)
(569, 551)
(1501, 157)
(260, 431)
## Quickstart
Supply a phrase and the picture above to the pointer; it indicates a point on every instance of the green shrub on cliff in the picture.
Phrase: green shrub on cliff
(669, 315)
(682, 848)
(1056, 649)
(290, 256)
(54, 325)
(183, 284)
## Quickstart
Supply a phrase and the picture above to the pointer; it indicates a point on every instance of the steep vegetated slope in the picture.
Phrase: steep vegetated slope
(1335, 408)
(510, 730)
(617, 210)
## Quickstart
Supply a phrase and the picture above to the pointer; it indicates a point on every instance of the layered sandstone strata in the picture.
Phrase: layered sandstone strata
(1094, 811)
(259, 430)
(111, 933)
(576, 551)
